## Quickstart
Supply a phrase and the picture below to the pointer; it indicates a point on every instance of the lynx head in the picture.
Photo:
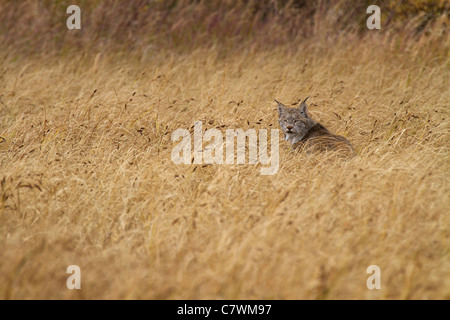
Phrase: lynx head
(295, 122)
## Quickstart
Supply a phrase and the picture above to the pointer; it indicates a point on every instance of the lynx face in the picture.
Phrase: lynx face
(302, 131)
(295, 122)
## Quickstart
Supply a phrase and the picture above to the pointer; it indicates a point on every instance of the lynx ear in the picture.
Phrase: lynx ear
(280, 107)
(304, 108)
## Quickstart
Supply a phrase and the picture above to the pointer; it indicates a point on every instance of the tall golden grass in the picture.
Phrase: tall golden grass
(87, 179)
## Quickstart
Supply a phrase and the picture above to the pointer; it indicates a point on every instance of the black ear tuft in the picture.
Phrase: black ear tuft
(304, 108)
(280, 107)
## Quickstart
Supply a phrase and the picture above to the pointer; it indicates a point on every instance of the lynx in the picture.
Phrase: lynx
(305, 133)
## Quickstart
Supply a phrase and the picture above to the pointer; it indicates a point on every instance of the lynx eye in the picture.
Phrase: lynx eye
(284, 121)
(297, 121)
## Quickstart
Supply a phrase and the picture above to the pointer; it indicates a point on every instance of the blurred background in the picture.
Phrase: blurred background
(147, 25)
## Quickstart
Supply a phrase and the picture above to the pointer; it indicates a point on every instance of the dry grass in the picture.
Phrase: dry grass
(87, 178)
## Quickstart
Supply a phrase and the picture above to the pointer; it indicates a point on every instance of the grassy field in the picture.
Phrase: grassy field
(87, 177)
